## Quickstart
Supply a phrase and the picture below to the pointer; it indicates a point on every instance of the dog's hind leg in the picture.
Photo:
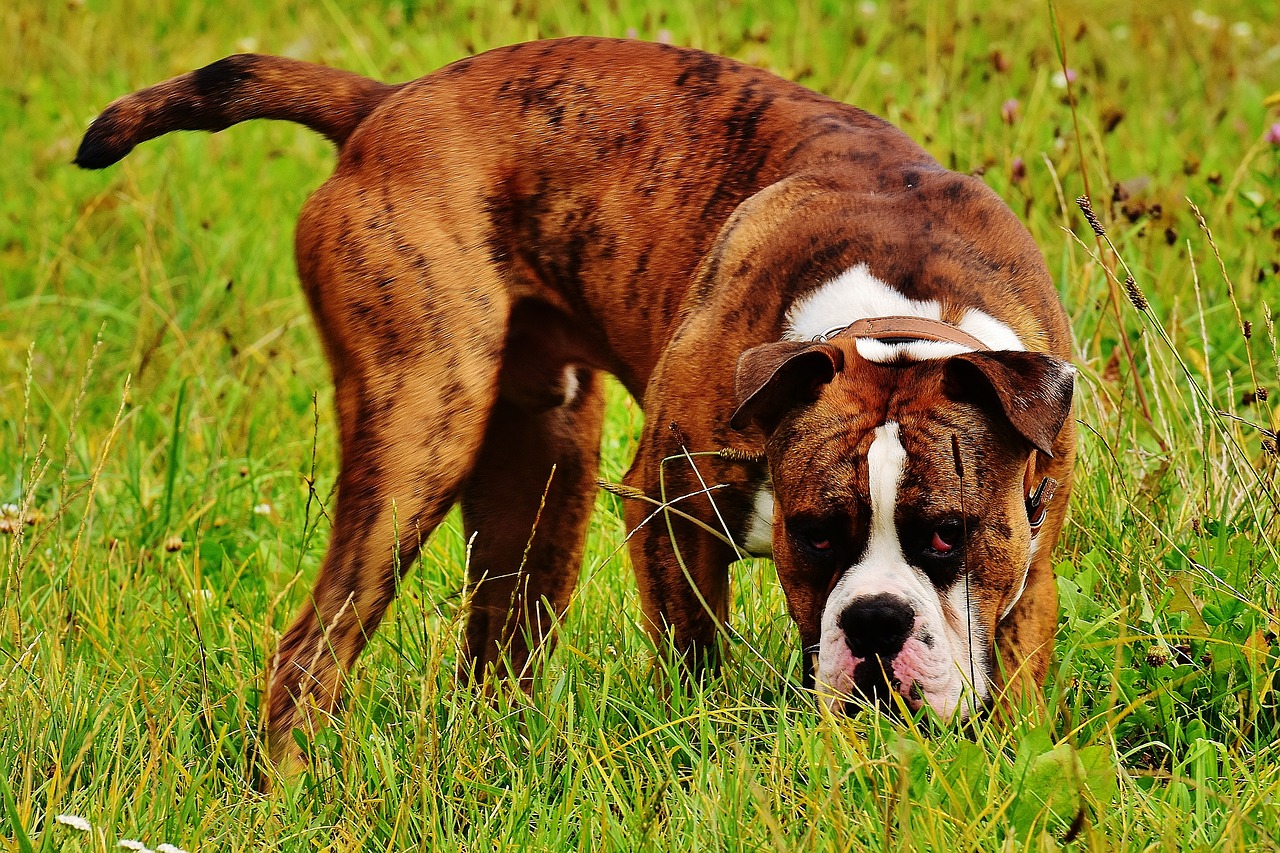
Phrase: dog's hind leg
(528, 502)
(415, 336)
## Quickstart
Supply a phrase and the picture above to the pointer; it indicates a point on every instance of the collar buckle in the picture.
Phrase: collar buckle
(1038, 503)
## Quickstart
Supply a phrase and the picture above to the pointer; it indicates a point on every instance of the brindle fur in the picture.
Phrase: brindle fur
(602, 206)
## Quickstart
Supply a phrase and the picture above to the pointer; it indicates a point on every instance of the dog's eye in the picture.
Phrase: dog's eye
(816, 541)
(948, 537)
(819, 540)
(941, 545)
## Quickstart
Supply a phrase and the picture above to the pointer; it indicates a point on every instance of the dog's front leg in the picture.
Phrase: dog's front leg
(685, 535)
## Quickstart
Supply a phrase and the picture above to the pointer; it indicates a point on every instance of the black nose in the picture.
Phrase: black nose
(877, 625)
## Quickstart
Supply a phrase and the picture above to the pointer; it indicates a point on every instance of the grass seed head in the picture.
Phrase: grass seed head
(1086, 207)
(1135, 295)
(733, 454)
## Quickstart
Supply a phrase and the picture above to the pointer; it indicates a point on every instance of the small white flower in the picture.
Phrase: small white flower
(1241, 29)
(262, 509)
(169, 848)
(1201, 18)
(10, 510)
(868, 8)
(248, 44)
(131, 844)
(1120, 32)
(887, 69)
(74, 821)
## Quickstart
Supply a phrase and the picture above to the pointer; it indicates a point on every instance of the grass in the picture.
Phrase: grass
(165, 422)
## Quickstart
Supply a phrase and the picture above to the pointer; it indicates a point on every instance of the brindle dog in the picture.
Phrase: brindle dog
(498, 234)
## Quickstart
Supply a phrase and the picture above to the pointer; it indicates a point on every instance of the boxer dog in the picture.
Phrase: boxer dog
(871, 344)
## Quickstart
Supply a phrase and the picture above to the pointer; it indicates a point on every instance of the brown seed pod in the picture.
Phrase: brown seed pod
(1086, 207)
(1135, 295)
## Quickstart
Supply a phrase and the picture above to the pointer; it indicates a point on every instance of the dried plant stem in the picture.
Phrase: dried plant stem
(1113, 298)
(96, 476)
(631, 493)
(1273, 418)
(1135, 296)
(17, 563)
(1231, 292)
(1268, 488)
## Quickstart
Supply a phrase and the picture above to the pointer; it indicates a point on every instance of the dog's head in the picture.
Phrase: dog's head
(900, 529)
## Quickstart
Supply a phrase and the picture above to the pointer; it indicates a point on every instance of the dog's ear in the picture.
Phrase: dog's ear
(775, 377)
(1033, 389)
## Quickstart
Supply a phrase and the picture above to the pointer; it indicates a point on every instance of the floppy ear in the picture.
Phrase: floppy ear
(775, 377)
(1033, 389)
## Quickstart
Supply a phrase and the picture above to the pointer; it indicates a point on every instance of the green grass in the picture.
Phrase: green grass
(159, 379)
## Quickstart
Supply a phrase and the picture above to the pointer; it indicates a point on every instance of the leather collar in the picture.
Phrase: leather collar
(906, 329)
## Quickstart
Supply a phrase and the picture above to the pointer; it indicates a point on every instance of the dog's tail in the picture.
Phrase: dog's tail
(232, 90)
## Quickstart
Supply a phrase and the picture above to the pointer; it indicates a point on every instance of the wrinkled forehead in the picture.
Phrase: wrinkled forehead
(825, 450)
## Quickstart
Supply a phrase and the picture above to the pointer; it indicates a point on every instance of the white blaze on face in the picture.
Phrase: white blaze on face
(945, 655)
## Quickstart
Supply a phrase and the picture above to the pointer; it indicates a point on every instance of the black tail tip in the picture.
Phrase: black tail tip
(98, 154)
(101, 146)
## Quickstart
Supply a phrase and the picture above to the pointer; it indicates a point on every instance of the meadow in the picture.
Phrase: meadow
(168, 454)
